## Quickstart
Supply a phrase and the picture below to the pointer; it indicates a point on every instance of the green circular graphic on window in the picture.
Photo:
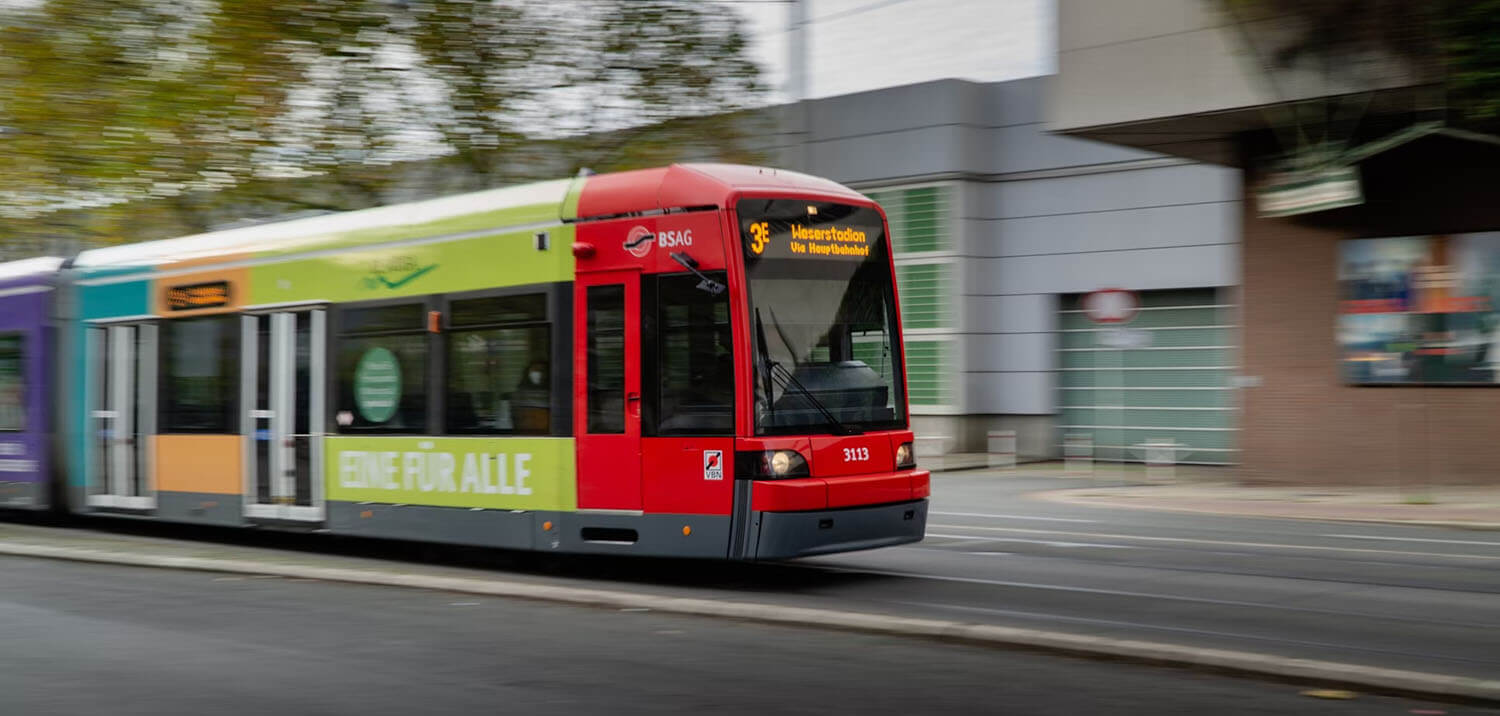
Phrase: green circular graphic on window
(377, 385)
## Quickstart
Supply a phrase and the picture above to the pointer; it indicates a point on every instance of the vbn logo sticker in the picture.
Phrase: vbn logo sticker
(713, 464)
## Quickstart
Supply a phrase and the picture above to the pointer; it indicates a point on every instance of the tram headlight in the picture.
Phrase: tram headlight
(904, 457)
(783, 463)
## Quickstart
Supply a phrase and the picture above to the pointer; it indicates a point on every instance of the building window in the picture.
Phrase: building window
(499, 366)
(382, 370)
(919, 218)
(199, 375)
(690, 358)
(929, 278)
(12, 382)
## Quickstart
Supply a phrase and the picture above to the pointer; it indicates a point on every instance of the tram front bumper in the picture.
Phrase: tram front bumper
(787, 535)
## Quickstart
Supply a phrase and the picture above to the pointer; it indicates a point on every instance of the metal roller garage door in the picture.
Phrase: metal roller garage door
(1176, 389)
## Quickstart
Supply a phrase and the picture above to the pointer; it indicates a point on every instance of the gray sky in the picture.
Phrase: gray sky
(858, 45)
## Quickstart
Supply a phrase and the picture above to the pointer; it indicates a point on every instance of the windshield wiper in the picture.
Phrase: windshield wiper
(765, 360)
(789, 379)
(705, 283)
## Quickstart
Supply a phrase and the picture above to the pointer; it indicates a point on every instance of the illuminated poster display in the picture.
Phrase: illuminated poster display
(1420, 309)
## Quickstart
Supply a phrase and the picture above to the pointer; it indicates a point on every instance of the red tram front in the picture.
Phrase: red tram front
(739, 380)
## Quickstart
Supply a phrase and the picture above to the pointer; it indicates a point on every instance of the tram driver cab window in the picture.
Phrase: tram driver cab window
(689, 366)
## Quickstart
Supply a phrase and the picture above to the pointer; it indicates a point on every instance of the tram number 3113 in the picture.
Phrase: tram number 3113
(859, 454)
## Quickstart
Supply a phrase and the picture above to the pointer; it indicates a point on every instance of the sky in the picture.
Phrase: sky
(859, 45)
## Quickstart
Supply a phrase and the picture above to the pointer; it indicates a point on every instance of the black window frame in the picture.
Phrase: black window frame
(23, 339)
(651, 364)
(559, 322)
(234, 378)
(431, 376)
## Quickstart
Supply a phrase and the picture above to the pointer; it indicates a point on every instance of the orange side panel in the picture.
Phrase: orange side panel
(199, 463)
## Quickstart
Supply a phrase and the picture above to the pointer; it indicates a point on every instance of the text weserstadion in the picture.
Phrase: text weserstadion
(832, 241)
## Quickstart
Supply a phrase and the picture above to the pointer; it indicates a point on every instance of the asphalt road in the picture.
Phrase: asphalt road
(1418, 598)
(87, 638)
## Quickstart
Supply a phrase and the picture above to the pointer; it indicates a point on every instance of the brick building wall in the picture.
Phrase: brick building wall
(1302, 423)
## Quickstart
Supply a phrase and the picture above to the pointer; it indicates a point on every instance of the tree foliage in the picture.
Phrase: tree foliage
(1450, 45)
(115, 110)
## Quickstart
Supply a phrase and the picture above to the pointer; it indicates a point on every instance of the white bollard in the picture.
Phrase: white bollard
(1078, 454)
(1161, 460)
(1001, 445)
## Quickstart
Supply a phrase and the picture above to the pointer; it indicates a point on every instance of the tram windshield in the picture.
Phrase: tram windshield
(827, 352)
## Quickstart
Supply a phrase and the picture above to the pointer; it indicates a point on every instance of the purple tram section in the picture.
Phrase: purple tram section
(26, 290)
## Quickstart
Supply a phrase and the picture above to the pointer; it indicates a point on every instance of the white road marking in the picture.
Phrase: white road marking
(1049, 543)
(1147, 595)
(1010, 517)
(1417, 539)
(1187, 540)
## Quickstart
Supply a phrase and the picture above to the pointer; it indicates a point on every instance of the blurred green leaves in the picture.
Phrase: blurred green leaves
(181, 106)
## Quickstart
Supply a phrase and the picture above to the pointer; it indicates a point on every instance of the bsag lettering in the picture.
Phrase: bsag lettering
(671, 239)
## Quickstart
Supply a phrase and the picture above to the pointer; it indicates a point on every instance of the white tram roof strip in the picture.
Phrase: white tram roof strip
(38, 266)
(316, 253)
(23, 290)
(288, 234)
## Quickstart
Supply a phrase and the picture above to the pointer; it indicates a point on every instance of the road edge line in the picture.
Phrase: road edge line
(1373, 679)
(1104, 503)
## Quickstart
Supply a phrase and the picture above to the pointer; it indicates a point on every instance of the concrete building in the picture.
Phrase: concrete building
(1368, 331)
(999, 227)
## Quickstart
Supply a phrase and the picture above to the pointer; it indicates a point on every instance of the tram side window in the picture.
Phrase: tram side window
(606, 359)
(199, 365)
(382, 370)
(690, 358)
(499, 366)
(12, 382)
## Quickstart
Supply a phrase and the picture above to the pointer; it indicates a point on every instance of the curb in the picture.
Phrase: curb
(1060, 496)
(1392, 681)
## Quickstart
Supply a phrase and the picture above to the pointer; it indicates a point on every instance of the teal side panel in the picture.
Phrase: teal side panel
(113, 300)
(127, 298)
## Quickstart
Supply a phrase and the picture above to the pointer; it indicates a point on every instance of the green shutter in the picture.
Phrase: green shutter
(927, 372)
(918, 218)
(1177, 389)
(923, 287)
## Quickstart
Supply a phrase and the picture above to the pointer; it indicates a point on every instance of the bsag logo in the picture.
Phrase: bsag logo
(673, 239)
(639, 241)
(713, 464)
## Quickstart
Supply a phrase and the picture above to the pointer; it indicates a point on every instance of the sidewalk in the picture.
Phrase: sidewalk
(1209, 491)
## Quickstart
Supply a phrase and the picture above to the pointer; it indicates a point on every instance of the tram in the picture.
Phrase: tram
(701, 360)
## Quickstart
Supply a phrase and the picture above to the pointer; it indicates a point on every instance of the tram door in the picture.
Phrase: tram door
(122, 413)
(607, 334)
(283, 394)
